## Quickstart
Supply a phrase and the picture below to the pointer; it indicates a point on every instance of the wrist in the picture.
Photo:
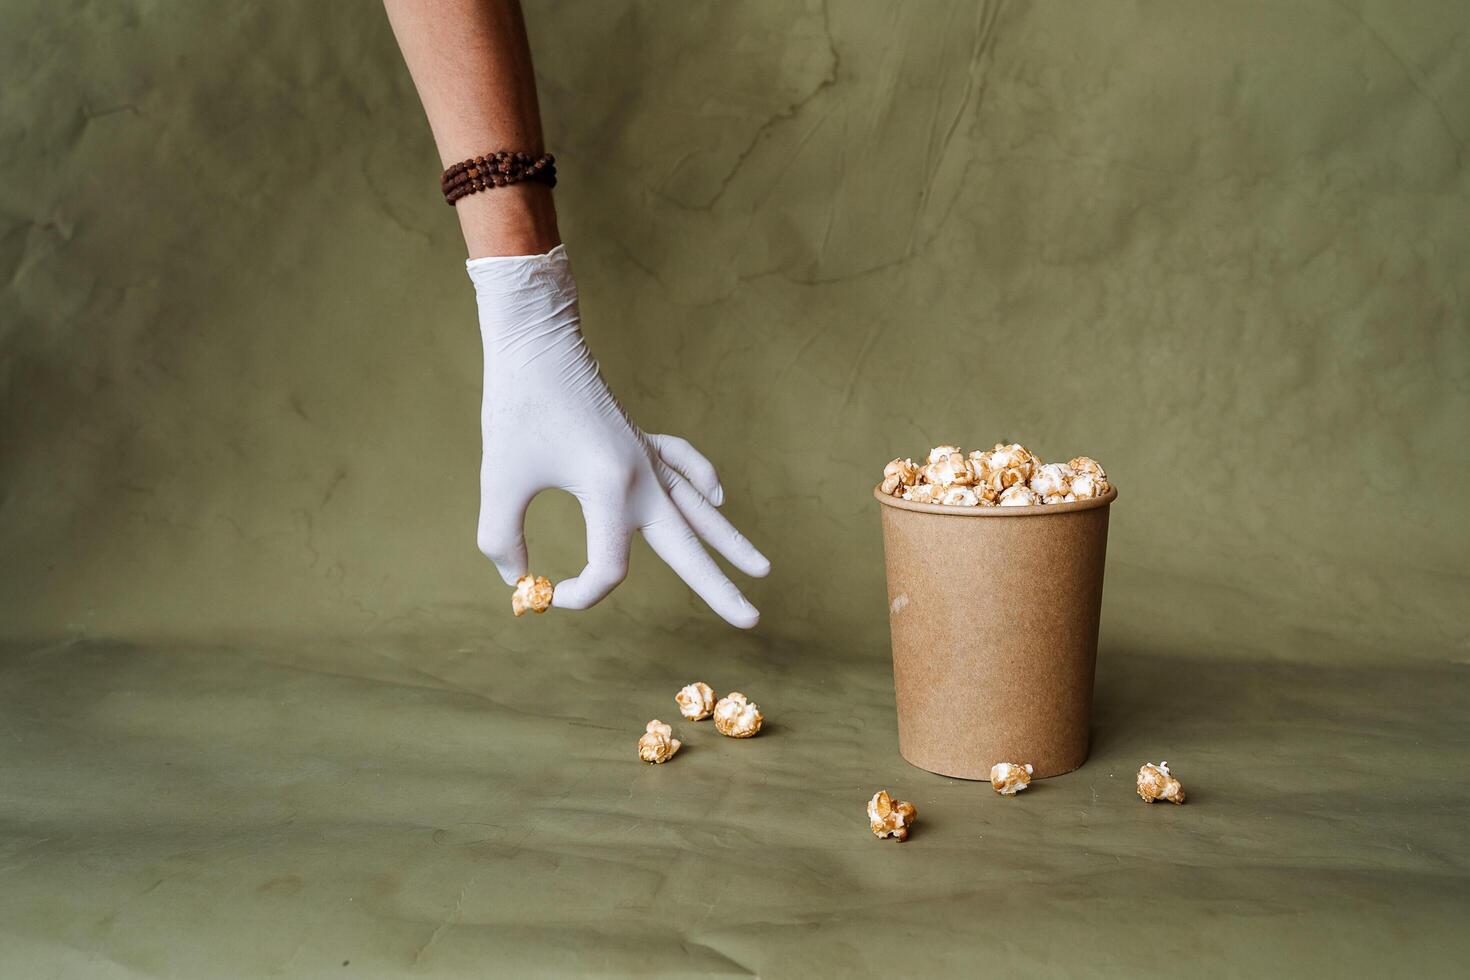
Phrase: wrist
(527, 308)
(519, 219)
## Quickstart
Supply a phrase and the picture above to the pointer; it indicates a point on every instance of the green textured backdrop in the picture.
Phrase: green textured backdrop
(1223, 248)
(264, 707)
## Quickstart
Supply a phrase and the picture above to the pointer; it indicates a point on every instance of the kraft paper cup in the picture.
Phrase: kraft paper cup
(994, 614)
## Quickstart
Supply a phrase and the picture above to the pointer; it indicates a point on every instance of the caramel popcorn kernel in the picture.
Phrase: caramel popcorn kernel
(960, 497)
(924, 493)
(737, 716)
(1085, 486)
(1009, 778)
(897, 475)
(1156, 782)
(696, 701)
(1019, 495)
(889, 817)
(940, 452)
(1052, 480)
(657, 744)
(1087, 465)
(533, 594)
(951, 470)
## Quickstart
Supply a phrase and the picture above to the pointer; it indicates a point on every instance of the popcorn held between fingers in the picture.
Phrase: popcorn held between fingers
(696, 701)
(533, 594)
(1156, 782)
(1009, 778)
(657, 744)
(737, 716)
(888, 817)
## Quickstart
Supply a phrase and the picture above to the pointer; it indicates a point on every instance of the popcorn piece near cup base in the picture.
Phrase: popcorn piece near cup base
(533, 594)
(737, 716)
(1156, 782)
(889, 817)
(1009, 778)
(696, 701)
(657, 744)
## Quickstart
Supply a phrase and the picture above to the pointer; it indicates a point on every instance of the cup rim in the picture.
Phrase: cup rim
(1030, 510)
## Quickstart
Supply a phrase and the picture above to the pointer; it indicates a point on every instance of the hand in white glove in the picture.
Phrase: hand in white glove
(549, 421)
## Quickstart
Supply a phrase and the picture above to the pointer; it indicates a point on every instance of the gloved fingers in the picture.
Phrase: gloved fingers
(716, 529)
(608, 538)
(501, 535)
(673, 541)
(696, 468)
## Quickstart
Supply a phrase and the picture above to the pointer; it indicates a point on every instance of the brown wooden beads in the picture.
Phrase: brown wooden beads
(496, 170)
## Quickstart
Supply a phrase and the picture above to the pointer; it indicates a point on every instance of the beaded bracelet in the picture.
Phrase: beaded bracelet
(496, 170)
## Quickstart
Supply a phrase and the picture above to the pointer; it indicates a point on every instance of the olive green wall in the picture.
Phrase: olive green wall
(1223, 247)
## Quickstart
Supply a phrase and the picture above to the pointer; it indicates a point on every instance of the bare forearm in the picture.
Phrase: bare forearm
(471, 64)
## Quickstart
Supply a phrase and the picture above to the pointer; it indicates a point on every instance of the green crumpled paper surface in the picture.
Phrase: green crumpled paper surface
(263, 709)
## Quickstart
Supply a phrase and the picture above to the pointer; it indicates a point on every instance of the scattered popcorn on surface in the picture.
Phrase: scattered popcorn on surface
(1009, 475)
(1019, 495)
(899, 474)
(1156, 782)
(960, 497)
(737, 716)
(1009, 778)
(658, 743)
(889, 817)
(696, 701)
(532, 594)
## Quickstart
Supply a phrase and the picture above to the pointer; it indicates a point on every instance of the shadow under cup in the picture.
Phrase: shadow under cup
(994, 615)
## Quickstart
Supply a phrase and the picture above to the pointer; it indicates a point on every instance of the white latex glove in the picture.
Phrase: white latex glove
(549, 421)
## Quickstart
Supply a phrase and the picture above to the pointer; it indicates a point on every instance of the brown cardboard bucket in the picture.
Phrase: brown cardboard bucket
(994, 614)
